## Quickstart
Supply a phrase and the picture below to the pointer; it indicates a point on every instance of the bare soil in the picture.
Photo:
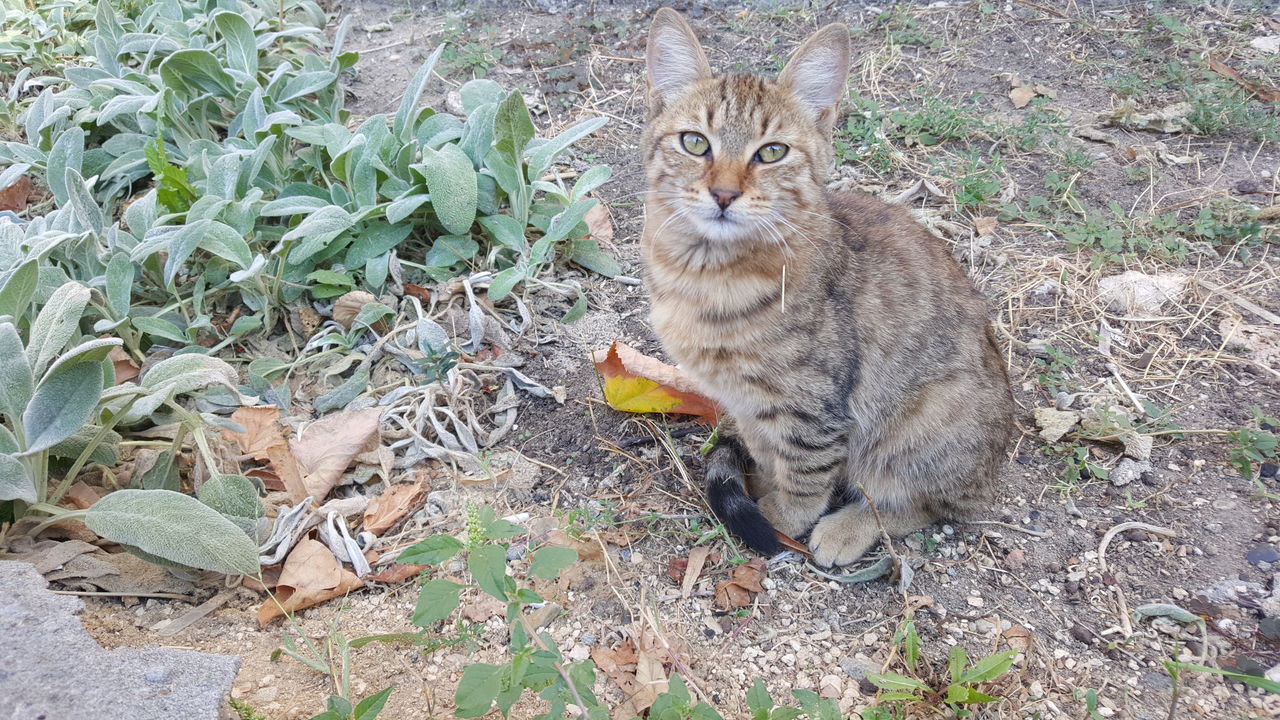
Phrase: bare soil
(1034, 577)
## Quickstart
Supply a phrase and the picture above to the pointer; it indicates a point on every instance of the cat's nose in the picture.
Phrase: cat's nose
(725, 196)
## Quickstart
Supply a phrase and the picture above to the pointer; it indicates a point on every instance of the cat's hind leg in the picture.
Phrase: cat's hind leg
(843, 536)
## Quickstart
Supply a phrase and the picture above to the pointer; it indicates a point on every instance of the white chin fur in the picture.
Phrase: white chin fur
(723, 229)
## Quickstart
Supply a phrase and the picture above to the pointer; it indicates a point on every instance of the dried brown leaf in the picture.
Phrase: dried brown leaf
(14, 197)
(395, 502)
(325, 449)
(311, 576)
(736, 592)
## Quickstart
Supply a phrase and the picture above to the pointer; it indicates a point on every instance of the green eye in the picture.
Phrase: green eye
(771, 153)
(694, 143)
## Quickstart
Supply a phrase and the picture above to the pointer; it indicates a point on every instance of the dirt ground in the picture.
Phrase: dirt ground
(1033, 577)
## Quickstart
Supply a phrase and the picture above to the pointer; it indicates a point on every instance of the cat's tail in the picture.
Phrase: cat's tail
(727, 495)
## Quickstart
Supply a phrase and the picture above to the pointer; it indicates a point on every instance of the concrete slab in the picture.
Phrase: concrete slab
(50, 669)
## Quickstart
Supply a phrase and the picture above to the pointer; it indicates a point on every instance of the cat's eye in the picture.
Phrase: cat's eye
(695, 143)
(771, 153)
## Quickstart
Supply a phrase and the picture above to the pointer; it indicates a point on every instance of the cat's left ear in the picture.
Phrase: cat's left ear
(818, 72)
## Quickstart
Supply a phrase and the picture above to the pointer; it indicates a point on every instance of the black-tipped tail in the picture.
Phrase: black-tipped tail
(727, 496)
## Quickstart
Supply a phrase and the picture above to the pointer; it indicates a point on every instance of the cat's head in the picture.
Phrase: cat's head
(739, 156)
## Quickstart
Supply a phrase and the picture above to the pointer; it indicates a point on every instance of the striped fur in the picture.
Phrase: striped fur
(847, 345)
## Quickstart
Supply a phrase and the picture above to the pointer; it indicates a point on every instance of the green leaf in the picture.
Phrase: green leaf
(63, 402)
(232, 495)
(504, 282)
(894, 681)
(956, 663)
(316, 231)
(488, 567)
(106, 452)
(400, 127)
(989, 668)
(477, 690)
(163, 475)
(587, 253)
(451, 180)
(54, 327)
(16, 381)
(402, 208)
(577, 310)
(758, 697)
(15, 296)
(481, 91)
(965, 695)
(242, 48)
(506, 230)
(540, 159)
(329, 277)
(161, 328)
(176, 527)
(549, 561)
(368, 708)
(119, 289)
(449, 250)
(293, 205)
(342, 395)
(437, 599)
(561, 226)
(66, 154)
(1252, 680)
(432, 551)
(8, 443)
(513, 127)
(15, 483)
(192, 72)
(306, 83)
(590, 180)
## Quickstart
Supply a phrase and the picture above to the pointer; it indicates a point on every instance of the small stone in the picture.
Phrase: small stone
(1213, 527)
(831, 686)
(1264, 554)
(1081, 634)
(1270, 628)
(1128, 470)
(948, 530)
(857, 667)
(1064, 400)
(1055, 423)
(1268, 470)
(266, 695)
(975, 601)
(579, 653)
(1016, 559)
(158, 675)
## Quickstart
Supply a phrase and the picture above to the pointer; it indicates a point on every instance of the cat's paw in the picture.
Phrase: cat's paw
(839, 540)
(785, 515)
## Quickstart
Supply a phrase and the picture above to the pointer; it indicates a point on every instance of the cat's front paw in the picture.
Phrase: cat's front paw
(839, 540)
(785, 515)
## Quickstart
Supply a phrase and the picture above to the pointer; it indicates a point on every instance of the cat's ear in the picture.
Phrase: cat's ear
(673, 57)
(818, 72)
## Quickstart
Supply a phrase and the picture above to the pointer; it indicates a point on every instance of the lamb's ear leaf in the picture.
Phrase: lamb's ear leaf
(673, 57)
(175, 527)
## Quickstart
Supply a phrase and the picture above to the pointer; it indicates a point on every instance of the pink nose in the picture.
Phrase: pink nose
(725, 196)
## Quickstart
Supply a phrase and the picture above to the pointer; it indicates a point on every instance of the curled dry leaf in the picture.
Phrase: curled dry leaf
(264, 438)
(417, 291)
(14, 197)
(1263, 92)
(396, 573)
(600, 223)
(985, 225)
(697, 558)
(1021, 92)
(634, 382)
(743, 582)
(311, 575)
(326, 448)
(1169, 119)
(125, 368)
(347, 307)
(385, 510)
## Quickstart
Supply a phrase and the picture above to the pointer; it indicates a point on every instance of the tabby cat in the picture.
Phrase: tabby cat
(847, 346)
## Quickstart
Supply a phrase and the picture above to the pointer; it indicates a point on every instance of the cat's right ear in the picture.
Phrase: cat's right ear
(673, 57)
